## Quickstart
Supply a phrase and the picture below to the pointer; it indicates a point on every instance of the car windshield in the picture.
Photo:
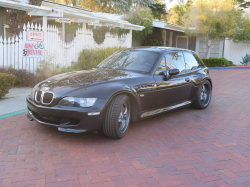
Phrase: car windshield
(131, 60)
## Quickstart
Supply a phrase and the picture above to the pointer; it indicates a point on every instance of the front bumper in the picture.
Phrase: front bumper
(66, 119)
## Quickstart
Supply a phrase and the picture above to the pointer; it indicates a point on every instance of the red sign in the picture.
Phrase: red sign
(33, 49)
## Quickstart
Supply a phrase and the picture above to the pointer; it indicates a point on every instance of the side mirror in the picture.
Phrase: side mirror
(161, 73)
(173, 72)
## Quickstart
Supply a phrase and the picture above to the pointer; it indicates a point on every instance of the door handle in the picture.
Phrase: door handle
(187, 79)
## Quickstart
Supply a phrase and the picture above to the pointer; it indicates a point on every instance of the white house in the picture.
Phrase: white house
(45, 38)
(174, 36)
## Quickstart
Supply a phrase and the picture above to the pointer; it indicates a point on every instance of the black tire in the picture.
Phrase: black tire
(200, 103)
(114, 124)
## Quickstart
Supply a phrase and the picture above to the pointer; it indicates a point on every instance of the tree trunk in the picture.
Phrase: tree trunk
(208, 48)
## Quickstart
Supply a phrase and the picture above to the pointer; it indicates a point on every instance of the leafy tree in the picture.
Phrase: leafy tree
(13, 18)
(179, 12)
(244, 4)
(217, 20)
(109, 6)
(144, 18)
(123, 6)
(158, 10)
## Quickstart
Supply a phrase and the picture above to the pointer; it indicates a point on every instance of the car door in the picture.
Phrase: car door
(193, 66)
(177, 89)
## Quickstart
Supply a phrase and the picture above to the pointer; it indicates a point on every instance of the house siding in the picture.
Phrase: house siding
(158, 32)
(235, 51)
(3, 19)
(137, 43)
(192, 43)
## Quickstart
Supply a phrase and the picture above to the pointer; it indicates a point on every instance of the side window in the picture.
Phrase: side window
(191, 62)
(161, 67)
(175, 60)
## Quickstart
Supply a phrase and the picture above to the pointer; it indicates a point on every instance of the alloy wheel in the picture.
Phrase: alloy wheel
(124, 117)
(205, 94)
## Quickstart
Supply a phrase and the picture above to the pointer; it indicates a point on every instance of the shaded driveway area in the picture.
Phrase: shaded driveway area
(185, 147)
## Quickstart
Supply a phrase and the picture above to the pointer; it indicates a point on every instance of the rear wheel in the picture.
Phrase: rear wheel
(203, 96)
(117, 118)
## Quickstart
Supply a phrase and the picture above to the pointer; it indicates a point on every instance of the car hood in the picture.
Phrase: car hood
(74, 80)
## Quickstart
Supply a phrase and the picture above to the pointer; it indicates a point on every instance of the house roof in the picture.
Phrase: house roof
(70, 13)
(169, 26)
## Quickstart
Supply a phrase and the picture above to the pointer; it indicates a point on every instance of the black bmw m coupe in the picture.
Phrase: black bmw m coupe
(129, 85)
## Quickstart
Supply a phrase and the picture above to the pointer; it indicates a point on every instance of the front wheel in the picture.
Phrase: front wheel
(117, 118)
(203, 96)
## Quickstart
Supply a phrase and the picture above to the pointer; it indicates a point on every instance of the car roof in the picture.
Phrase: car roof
(158, 49)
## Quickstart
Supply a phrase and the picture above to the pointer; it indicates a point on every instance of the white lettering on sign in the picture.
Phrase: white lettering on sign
(33, 49)
(35, 36)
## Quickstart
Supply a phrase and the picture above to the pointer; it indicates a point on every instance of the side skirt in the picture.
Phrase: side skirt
(158, 111)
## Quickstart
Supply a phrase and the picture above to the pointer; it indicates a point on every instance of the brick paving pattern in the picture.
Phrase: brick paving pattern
(184, 147)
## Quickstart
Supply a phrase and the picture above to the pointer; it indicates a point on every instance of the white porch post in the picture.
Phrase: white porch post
(170, 39)
(63, 31)
(45, 23)
(131, 39)
(83, 26)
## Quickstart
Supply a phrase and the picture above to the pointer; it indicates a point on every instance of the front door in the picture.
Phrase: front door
(182, 42)
(177, 89)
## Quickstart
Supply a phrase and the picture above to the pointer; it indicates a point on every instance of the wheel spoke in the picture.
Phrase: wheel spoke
(125, 111)
(202, 94)
(205, 97)
(203, 88)
(120, 118)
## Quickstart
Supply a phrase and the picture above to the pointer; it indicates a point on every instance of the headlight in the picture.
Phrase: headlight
(32, 93)
(77, 102)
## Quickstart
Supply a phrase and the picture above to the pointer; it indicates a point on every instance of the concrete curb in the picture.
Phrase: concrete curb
(231, 67)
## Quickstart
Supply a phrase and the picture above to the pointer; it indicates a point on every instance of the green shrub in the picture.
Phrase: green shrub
(154, 41)
(143, 17)
(90, 58)
(217, 62)
(6, 82)
(245, 59)
(231, 63)
(22, 77)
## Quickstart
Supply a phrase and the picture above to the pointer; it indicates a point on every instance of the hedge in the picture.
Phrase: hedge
(22, 77)
(158, 41)
(6, 82)
(90, 58)
(216, 62)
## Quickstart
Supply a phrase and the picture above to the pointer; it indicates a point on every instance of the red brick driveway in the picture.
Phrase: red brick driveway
(185, 147)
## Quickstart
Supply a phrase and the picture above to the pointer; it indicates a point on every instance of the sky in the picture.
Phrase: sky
(170, 5)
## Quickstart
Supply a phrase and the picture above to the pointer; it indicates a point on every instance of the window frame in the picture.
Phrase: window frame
(165, 72)
(163, 56)
(201, 65)
(183, 57)
(5, 27)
